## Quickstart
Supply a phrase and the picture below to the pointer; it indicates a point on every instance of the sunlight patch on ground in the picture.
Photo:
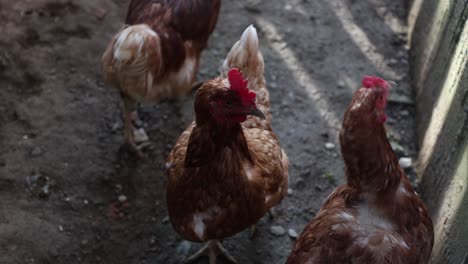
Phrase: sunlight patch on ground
(360, 38)
(300, 74)
(391, 20)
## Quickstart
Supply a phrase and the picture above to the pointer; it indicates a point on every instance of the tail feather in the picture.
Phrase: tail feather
(132, 59)
(246, 56)
(249, 40)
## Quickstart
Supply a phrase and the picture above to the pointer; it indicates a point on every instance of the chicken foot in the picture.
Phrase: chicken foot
(130, 114)
(212, 249)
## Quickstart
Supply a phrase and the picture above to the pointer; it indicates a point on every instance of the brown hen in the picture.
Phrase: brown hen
(376, 217)
(156, 55)
(228, 168)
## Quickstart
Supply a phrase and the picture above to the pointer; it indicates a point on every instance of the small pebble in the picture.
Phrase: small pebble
(318, 188)
(292, 233)
(340, 84)
(300, 184)
(37, 151)
(85, 201)
(60, 228)
(405, 162)
(393, 61)
(122, 198)
(140, 135)
(115, 126)
(277, 230)
(329, 145)
(404, 113)
(100, 13)
(39, 185)
(288, 7)
(290, 191)
(165, 220)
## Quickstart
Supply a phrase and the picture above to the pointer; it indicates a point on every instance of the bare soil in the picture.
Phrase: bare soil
(61, 170)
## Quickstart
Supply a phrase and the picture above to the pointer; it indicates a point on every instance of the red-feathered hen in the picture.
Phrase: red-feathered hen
(156, 55)
(228, 168)
(376, 217)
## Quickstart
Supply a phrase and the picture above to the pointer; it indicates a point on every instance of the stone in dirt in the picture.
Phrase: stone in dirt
(329, 145)
(405, 162)
(277, 230)
(292, 233)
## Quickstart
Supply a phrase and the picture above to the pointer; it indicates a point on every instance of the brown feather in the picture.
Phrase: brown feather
(376, 217)
(227, 175)
(177, 33)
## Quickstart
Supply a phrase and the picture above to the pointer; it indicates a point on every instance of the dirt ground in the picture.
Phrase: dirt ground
(61, 171)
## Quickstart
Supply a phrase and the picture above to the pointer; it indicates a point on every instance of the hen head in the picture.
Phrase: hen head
(362, 128)
(363, 140)
(227, 100)
(369, 102)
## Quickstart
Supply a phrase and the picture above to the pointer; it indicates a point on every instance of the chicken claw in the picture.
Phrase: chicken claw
(212, 249)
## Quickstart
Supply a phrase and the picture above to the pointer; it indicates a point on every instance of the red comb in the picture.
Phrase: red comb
(374, 81)
(239, 85)
(377, 82)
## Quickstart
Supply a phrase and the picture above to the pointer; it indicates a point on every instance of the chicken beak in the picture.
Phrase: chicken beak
(256, 112)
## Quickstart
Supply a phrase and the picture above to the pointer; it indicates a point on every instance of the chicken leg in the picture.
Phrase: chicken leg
(253, 228)
(129, 115)
(212, 249)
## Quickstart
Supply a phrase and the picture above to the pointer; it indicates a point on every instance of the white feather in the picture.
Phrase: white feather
(199, 221)
(249, 39)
